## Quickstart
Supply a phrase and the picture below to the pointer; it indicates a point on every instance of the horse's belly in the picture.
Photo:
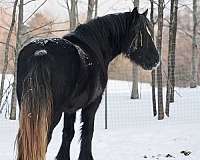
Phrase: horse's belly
(98, 89)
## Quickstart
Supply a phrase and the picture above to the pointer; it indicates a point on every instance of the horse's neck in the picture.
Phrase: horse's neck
(116, 28)
(105, 35)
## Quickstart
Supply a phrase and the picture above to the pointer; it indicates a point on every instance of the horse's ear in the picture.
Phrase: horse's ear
(135, 11)
(145, 13)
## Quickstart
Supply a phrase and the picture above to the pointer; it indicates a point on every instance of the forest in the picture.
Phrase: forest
(176, 34)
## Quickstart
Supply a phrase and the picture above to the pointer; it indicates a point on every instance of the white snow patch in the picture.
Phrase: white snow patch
(132, 132)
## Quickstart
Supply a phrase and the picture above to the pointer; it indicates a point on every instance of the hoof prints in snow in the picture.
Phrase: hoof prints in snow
(185, 153)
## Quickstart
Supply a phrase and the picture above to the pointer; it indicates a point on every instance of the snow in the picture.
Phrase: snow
(133, 133)
(40, 52)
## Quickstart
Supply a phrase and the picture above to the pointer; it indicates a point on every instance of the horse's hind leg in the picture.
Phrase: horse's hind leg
(87, 117)
(68, 134)
(55, 120)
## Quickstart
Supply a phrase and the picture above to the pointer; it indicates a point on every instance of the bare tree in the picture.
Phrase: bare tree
(193, 83)
(96, 8)
(91, 4)
(7, 47)
(135, 69)
(173, 59)
(92, 9)
(23, 35)
(171, 55)
(159, 69)
(72, 8)
(18, 46)
(20, 38)
(153, 73)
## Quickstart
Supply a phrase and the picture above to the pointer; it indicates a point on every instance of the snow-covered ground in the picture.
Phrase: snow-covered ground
(133, 133)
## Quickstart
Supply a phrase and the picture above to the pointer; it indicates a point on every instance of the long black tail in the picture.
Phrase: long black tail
(35, 109)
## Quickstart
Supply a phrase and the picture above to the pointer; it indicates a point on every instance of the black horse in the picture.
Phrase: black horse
(67, 74)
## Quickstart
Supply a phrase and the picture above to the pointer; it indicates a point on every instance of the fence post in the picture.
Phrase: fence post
(106, 110)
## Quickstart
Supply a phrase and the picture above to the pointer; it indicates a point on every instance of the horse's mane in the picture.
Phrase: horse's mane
(106, 37)
(102, 33)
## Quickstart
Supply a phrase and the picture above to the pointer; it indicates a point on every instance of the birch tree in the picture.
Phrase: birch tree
(18, 46)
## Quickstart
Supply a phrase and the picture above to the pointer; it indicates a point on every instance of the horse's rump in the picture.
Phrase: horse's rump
(46, 75)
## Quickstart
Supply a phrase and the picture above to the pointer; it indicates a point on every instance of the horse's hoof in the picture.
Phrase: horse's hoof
(86, 157)
(61, 158)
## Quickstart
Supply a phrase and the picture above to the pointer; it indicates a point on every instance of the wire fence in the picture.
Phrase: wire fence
(118, 110)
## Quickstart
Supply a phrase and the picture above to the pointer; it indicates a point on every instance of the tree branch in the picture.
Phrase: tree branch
(11, 46)
(7, 46)
(49, 23)
(6, 95)
(35, 11)
(28, 2)
(42, 33)
(67, 3)
(155, 2)
(4, 28)
(48, 32)
(183, 31)
(186, 6)
(166, 3)
(165, 19)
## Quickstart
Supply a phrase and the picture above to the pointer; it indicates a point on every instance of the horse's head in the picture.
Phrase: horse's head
(141, 48)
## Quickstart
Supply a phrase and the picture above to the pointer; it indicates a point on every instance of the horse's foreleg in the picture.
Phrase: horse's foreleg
(87, 117)
(68, 134)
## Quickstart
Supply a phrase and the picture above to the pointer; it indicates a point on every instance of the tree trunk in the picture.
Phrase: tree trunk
(159, 69)
(91, 4)
(153, 73)
(136, 3)
(193, 83)
(72, 11)
(18, 46)
(153, 76)
(7, 51)
(174, 30)
(171, 55)
(13, 100)
(96, 8)
(134, 93)
(135, 70)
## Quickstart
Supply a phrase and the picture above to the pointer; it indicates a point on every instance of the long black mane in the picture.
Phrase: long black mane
(103, 39)
(110, 35)
(105, 34)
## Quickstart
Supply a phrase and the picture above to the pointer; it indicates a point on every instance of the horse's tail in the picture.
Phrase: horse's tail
(35, 109)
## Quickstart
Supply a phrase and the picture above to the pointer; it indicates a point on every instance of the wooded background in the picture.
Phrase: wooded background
(176, 33)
